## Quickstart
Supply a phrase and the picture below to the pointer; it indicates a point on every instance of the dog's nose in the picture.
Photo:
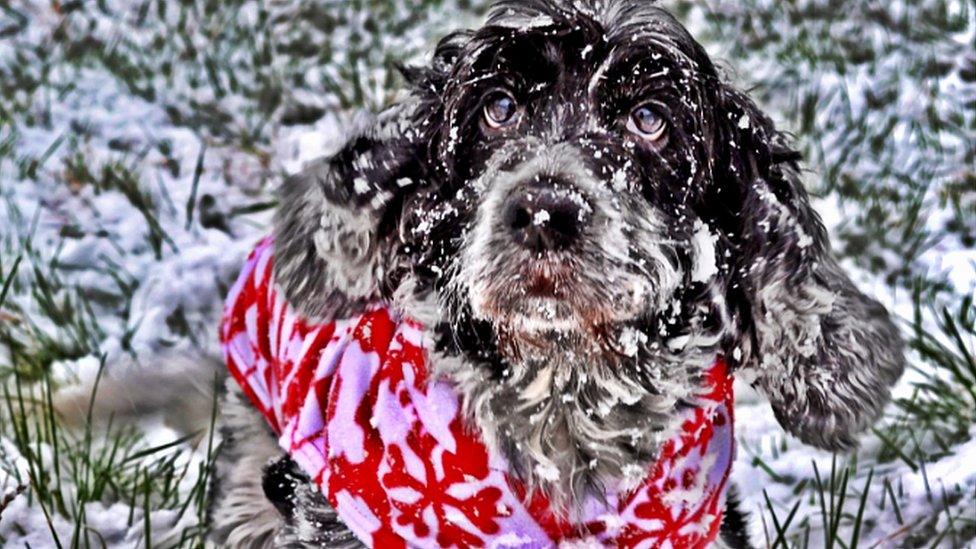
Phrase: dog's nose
(546, 216)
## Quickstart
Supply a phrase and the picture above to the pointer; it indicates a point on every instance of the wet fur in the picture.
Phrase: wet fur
(408, 212)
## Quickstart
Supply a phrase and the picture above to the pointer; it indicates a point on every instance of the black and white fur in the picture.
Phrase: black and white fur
(573, 363)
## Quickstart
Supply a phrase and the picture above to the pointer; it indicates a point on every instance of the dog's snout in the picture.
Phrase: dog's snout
(546, 215)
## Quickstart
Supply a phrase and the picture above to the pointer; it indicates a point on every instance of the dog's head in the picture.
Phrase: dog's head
(578, 172)
(586, 169)
(574, 154)
(573, 169)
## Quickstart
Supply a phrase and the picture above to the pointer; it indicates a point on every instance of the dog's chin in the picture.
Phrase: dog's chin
(533, 316)
(542, 315)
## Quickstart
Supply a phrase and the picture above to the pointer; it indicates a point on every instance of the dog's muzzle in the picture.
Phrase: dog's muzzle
(546, 214)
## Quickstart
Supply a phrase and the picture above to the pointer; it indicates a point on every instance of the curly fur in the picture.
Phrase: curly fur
(704, 246)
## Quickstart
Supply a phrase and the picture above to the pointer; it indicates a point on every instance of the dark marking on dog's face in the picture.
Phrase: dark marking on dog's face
(574, 157)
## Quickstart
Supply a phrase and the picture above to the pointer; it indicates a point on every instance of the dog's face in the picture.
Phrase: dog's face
(574, 154)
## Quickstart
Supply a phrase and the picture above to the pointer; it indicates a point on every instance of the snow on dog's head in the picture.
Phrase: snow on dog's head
(572, 149)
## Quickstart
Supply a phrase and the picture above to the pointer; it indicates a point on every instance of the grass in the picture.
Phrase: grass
(65, 470)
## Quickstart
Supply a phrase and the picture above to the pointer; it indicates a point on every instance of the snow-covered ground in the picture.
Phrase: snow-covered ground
(139, 145)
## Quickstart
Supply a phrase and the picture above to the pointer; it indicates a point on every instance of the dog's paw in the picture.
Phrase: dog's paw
(311, 521)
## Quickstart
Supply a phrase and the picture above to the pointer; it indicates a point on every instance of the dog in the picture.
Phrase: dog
(583, 225)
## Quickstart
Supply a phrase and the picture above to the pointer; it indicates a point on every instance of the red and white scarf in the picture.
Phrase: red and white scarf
(353, 405)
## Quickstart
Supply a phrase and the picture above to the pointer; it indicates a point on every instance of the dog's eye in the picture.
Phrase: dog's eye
(646, 123)
(501, 110)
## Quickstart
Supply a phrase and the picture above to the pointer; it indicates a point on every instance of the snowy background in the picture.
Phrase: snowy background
(140, 141)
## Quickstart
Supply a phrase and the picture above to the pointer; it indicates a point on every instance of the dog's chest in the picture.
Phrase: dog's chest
(353, 406)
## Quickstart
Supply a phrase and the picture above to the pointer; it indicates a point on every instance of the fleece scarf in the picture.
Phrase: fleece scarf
(352, 404)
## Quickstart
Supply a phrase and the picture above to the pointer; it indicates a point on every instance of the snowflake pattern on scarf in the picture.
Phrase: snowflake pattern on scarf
(353, 406)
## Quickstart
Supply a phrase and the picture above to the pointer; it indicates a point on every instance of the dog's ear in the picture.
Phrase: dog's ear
(333, 230)
(823, 353)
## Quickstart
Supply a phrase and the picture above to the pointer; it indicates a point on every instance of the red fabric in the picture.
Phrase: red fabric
(354, 407)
